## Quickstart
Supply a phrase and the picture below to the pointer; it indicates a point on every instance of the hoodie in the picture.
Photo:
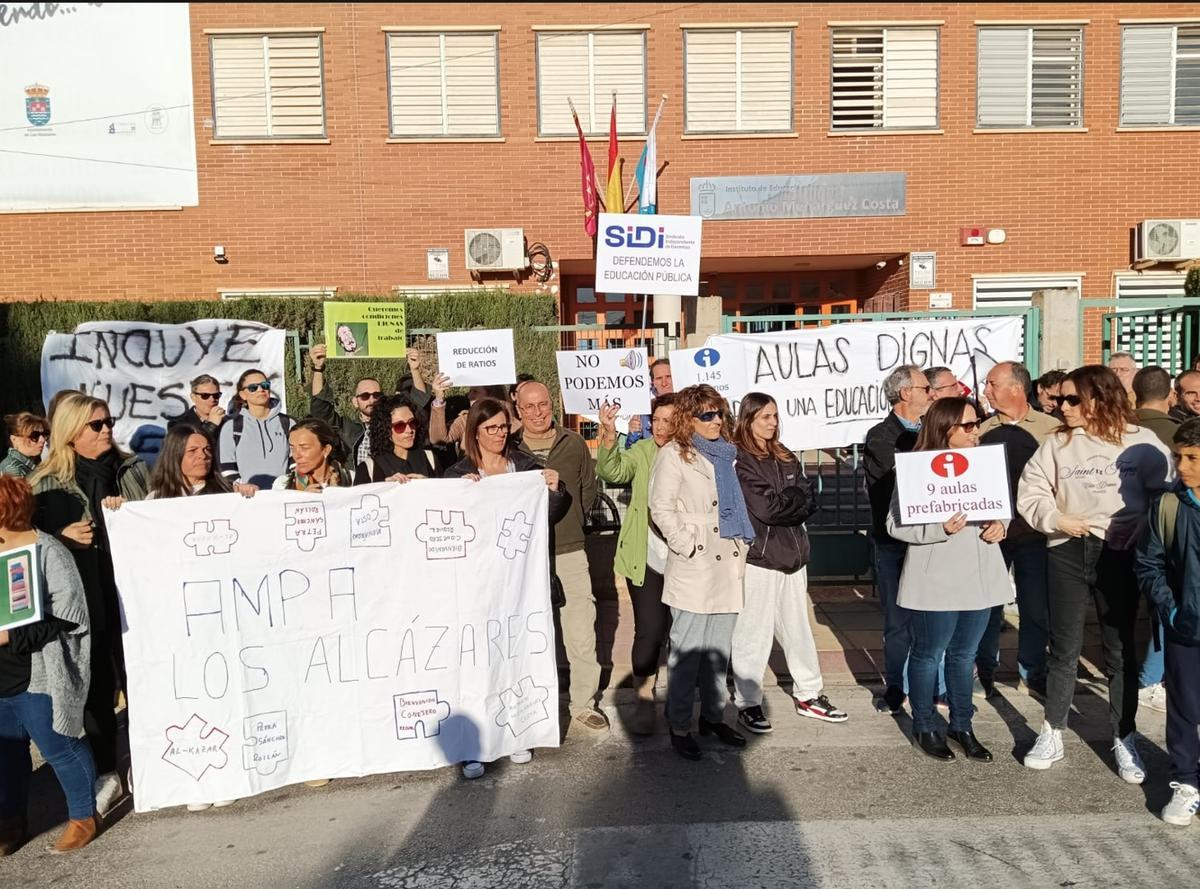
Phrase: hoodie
(1167, 574)
(258, 454)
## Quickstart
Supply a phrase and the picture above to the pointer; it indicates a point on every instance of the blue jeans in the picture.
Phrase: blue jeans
(27, 716)
(954, 635)
(897, 636)
(1028, 562)
(1153, 664)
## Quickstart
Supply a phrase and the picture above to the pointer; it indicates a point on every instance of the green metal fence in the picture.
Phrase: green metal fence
(1166, 333)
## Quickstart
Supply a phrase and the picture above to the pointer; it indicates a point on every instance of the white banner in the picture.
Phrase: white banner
(293, 637)
(591, 378)
(97, 109)
(477, 357)
(645, 253)
(143, 371)
(828, 381)
(934, 486)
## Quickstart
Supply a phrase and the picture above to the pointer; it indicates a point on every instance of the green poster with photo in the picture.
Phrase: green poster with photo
(20, 588)
(365, 330)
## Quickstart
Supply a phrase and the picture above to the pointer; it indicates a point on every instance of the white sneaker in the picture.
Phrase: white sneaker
(199, 807)
(1183, 805)
(472, 769)
(1047, 750)
(223, 803)
(521, 757)
(108, 793)
(1129, 762)
(1153, 697)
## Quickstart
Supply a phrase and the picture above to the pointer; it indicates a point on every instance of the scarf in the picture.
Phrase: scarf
(98, 479)
(731, 505)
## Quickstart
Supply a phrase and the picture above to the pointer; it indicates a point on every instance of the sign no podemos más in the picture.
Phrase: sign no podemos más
(638, 253)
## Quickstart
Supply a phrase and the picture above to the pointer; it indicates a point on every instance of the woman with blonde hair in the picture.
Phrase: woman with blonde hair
(83, 473)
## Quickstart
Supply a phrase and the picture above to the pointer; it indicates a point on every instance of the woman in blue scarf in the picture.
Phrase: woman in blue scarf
(697, 503)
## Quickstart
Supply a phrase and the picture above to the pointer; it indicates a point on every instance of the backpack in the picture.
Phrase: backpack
(1168, 513)
(238, 421)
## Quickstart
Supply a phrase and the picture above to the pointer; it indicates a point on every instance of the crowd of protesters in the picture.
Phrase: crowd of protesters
(1104, 472)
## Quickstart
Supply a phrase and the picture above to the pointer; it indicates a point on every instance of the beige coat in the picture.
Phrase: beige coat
(704, 573)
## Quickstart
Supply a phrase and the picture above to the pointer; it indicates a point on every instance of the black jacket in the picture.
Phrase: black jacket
(193, 419)
(1167, 575)
(884, 440)
(778, 499)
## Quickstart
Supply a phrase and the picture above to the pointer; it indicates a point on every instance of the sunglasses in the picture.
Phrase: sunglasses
(972, 426)
(402, 426)
(265, 385)
(97, 425)
(1073, 400)
(368, 396)
(709, 416)
(925, 389)
(208, 396)
(38, 435)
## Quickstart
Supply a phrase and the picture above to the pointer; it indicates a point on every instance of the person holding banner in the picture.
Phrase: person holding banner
(186, 467)
(83, 473)
(696, 500)
(253, 442)
(641, 550)
(355, 431)
(27, 434)
(316, 451)
(1088, 489)
(779, 499)
(396, 452)
(44, 674)
(954, 575)
(490, 452)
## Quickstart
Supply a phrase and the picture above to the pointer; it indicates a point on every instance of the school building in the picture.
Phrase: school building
(844, 158)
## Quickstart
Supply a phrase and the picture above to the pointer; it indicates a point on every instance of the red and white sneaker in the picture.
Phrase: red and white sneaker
(821, 708)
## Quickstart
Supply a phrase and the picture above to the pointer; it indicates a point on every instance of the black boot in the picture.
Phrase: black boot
(971, 746)
(725, 734)
(933, 744)
(685, 745)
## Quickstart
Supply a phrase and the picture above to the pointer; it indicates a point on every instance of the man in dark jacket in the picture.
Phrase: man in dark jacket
(1187, 393)
(1168, 572)
(907, 391)
(1154, 399)
(353, 430)
(206, 413)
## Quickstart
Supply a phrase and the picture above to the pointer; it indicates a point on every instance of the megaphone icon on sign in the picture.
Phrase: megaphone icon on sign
(633, 360)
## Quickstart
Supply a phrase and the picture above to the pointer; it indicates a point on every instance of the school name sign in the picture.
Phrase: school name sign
(291, 637)
(642, 253)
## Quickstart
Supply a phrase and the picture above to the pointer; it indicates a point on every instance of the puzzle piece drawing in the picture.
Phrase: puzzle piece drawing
(369, 525)
(266, 742)
(195, 747)
(419, 714)
(305, 523)
(514, 538)
(211, 538)
(522, 706)
(445, 534)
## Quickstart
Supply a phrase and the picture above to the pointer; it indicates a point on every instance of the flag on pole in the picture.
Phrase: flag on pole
(646, 173)
(613, 199)
(587, 171)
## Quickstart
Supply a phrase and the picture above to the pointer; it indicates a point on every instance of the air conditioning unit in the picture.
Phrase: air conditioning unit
(1169, 239)
(495, 249)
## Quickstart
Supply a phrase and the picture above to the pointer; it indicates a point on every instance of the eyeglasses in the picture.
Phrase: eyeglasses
(925, 389)
(402, 426)
(210, 396)
(368, 396)
(97, 425)
(940, 388)
(709, 416)
(265, 385)
(1073, 400)
(501, 429)
(972, 426)
(38, 435)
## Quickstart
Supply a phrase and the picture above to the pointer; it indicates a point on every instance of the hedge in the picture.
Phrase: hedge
(23, 328)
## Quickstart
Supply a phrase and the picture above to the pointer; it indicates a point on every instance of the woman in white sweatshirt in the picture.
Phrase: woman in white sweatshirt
(1088, 489)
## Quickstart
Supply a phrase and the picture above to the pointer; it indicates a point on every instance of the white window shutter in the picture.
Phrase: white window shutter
(711, 75)
(1187, 76)
(856, 87)
(1146, 75)
(240, 87)
(910, 81)
(563, 73)
(297, 100)
(619, 65)
(766, 81)
(472, 85)
(1057, 85)
(1003, 77)
(416, 84)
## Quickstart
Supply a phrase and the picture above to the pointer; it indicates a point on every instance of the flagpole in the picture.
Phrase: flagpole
(657, 114)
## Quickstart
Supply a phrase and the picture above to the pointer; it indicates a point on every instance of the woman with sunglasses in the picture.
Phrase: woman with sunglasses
(316, 452)
(253, 442)
(83, 473)
(489, 453)
(953, 576)
(696, 501)
(396, 452)
(27, 434)
(1088, 489)
(779, 499)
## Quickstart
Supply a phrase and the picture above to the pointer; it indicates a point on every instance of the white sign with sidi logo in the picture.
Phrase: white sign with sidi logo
(724, 370)
(933, 486)
(642, 253)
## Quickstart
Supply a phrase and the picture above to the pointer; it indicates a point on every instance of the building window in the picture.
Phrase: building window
(1030, 77)
(1016, 292)
(443, 84)
(884, 78)
(588, 67)
(267, 86)
(738, 81)
(1150, 288)
(1160, 75)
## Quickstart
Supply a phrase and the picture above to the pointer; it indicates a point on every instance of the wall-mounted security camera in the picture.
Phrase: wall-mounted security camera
(882, 264)
(219, 254)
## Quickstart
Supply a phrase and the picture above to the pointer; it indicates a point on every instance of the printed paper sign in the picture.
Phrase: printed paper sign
(20, 588)
(934, 486)
(724, 370)
(828, 381)
(592, 378)
(274, 658)
(637, 253)
(477, 357)
(365, 330)
(144, 371)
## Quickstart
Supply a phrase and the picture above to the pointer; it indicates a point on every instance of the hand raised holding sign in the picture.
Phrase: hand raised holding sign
(608, 422)
(955, 523)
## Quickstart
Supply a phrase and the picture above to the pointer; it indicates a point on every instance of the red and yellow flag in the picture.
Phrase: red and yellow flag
(587, 170)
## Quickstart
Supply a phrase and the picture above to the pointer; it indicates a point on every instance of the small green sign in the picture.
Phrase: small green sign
(365, 330)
